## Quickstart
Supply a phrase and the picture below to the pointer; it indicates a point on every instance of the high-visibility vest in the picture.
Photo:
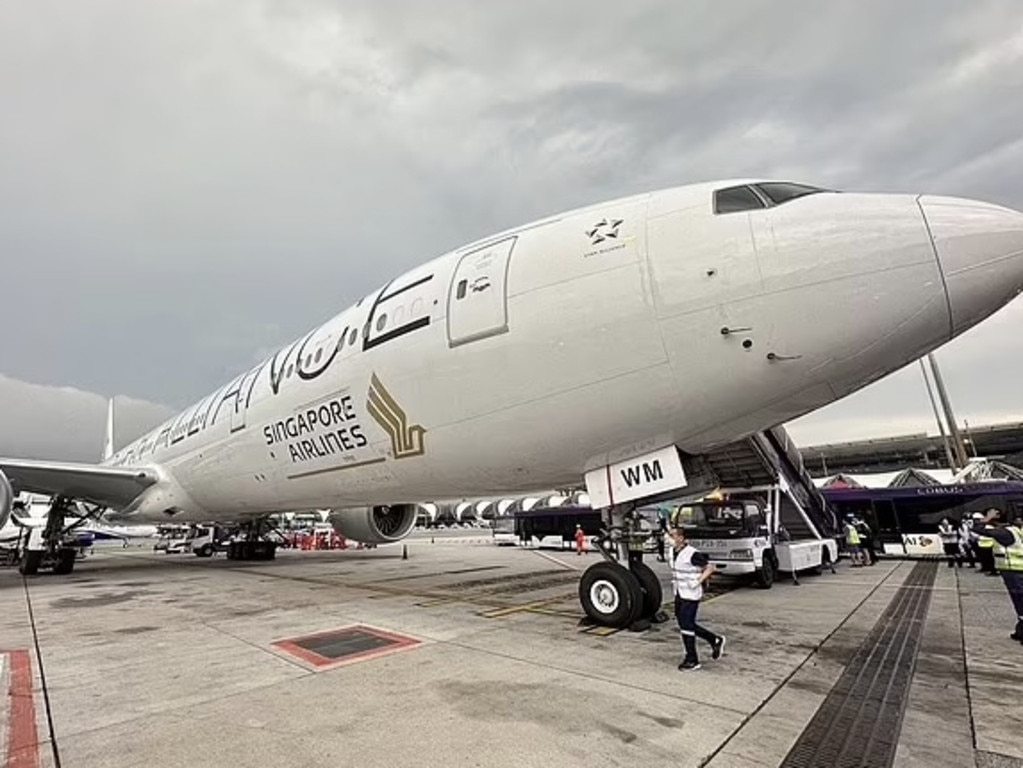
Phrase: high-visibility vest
(985, 542)
(852, 536)
(1010, 558)
(685, 575)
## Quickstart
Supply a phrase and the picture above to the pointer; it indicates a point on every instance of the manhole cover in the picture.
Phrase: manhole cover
(340, 646)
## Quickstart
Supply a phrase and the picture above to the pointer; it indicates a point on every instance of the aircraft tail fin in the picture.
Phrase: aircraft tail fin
(108, 443)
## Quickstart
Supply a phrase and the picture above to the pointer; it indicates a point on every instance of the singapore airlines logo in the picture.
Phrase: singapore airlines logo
(604, 230)
(406, 440)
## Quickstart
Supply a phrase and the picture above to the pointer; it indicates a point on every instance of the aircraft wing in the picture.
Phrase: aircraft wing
(114, 487)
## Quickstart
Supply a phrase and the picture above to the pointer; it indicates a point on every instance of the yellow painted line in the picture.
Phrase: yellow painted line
(498, 612)
(601, 631)
(437, 601)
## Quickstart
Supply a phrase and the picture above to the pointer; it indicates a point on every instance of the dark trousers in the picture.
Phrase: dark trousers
(952, 551)
(986, 556)
(1014, 583)
(685, 614)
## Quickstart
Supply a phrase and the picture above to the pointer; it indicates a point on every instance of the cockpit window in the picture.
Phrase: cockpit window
(779, 192)
(736, 199)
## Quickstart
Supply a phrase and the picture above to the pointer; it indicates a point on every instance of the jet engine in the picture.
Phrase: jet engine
(6, 499)
(375, 525)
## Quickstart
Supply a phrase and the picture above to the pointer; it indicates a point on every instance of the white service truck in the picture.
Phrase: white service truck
(205, 540)
(743, 538)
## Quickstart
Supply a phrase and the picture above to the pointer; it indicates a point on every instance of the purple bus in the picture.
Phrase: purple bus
(905, 520)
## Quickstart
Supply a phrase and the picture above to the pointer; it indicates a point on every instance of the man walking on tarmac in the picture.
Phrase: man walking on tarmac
(852, 542)
(949, 541)
(689, 570)
(1010, 564)
(968, 540)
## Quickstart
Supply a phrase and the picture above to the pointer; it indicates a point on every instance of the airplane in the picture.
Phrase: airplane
(605, 344)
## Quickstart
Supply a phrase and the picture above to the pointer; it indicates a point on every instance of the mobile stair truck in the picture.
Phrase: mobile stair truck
(767, 516)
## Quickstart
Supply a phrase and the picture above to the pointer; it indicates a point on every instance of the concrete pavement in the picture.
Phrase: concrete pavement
(171, 660)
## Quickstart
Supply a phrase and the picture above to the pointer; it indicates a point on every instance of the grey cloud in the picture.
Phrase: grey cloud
(66, 424)
(185, 186)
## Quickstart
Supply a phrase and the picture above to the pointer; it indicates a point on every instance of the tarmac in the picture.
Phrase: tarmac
(473, 655)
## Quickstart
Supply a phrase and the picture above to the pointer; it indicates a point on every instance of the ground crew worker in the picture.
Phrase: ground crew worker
(580, 539)
(866, 541)
(662, 532)
(985, 553)
(1010, 537)
(852, 541)
(967, 541)
(949, 540)
(690, 568)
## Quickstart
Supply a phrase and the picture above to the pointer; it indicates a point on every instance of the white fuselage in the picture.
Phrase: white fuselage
(524, 360)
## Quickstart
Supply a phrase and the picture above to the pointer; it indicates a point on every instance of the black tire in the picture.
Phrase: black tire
(765, 576)
(653, 594)
(30, 560)
(206, 550)
(610, 594)
(65, 561)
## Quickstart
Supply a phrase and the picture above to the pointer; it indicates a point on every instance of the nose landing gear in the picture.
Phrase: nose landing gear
(622, 591)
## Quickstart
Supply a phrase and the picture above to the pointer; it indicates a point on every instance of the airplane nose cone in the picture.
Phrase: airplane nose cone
(980, 249)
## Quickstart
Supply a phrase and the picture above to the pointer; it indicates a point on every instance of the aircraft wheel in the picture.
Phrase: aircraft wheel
(611, 594)
(653, 595)
(206, 550)
(30, 561)
(65, 561)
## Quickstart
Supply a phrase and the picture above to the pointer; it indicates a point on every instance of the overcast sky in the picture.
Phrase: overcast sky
(187, 184)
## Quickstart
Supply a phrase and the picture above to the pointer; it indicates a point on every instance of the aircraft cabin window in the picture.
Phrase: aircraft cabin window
(353, 336)
(779, 192)
(319, 354)
(417, 308)
(291, 369)
(735, 199)
(462, 285)
(381, 322)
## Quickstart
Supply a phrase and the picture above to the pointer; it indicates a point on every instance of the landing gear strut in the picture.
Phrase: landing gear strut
(253, 542)
(52, 547)
(620, 595)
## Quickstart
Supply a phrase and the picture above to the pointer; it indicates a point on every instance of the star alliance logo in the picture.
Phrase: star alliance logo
(604, 230)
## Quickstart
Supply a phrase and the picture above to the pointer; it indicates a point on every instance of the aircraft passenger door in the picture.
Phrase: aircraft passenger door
(478, 298)
(241, 400)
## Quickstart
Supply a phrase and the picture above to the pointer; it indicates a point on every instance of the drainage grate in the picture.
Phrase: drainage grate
(344, 645)
(858, 724)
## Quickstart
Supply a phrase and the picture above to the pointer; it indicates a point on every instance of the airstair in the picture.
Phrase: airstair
(766, 461)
